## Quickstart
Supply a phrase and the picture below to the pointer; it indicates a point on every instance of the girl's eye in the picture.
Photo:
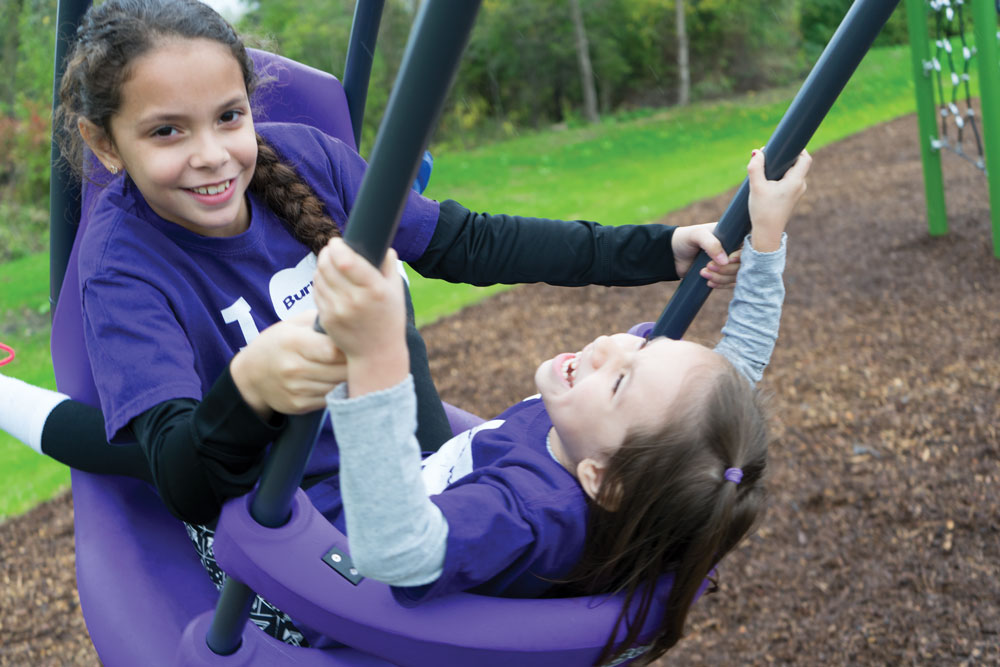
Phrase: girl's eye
(164, 131)
(621, 377)
(231, 116)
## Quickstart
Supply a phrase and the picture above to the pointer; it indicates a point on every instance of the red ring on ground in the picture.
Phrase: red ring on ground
(10, 352)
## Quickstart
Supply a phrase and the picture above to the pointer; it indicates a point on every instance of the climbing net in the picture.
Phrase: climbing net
(952, 88)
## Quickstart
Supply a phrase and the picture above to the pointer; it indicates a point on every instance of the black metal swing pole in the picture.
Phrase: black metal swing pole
(64, 188)
(358, 65)
(836, 65)
(437, 40)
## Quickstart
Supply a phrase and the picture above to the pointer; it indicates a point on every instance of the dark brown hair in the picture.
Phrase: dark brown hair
(111, 36)
(665, 507)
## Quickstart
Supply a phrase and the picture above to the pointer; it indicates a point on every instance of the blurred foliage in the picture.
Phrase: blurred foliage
(519, 69)
(317, 34)
(24, 230)
(25, 105)
(820, 18)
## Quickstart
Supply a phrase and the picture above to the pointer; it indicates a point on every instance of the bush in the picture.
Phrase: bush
(8, 140)
(820, 19)
(24, 230)
(25, 138)
(33, 151)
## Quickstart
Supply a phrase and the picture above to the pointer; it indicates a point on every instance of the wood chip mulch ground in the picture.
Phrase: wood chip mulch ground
(881, 545)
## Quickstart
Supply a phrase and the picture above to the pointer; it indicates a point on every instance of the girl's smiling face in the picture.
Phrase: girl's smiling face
(185, 135)
(614, 385)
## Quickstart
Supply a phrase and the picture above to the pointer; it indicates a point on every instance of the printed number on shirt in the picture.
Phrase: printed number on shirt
(239, 313)
(290, 291)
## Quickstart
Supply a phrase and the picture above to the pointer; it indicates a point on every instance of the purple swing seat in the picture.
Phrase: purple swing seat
(146, 599)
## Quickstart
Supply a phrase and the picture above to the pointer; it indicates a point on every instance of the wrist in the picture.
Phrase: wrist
(242, 373)
(370, 373)
(765, 240)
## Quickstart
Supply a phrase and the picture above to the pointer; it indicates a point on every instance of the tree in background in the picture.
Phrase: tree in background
(820, 18)
(317, 34)
(683, 69)
(526, 63)
(26, 51)
(517, 70)
(744, 45)
(583, 56)
(10, 13)
(25, 99)
(520, 64)
(522, 67)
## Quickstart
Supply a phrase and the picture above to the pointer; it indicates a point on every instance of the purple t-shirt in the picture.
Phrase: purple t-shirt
(517, 520)
(166, 309)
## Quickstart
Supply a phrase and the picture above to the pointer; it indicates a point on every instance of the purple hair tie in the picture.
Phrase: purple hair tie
(734, 475)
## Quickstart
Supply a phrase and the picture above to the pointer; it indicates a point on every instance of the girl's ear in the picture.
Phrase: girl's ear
(100, 143)
(590, 474)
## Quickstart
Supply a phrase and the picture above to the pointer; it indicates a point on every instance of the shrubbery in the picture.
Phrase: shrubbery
(519, 69)
(26, 47)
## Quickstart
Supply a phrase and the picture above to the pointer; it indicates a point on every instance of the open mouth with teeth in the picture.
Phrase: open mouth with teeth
(212, 189)
(569, 369)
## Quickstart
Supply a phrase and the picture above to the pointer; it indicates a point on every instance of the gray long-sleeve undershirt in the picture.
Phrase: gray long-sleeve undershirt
(751, 328)
(396, 534)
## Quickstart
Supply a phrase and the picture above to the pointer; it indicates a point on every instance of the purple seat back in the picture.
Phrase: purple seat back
(295, 93)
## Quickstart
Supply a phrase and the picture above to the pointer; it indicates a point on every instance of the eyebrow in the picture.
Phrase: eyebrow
(236, 100)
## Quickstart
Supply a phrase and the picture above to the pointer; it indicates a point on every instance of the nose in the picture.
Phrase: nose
(210, 152)
(605, 350)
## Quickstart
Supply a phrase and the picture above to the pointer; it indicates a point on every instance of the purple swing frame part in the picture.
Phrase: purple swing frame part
(147, 600)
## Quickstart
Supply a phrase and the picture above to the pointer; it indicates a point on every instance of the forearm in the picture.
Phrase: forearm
(751, 328)
(66, 430)
(74, 435)
(483, 249)
(396, 534)
(202, 453)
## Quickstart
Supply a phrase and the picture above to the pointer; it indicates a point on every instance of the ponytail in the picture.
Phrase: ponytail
(666, 506)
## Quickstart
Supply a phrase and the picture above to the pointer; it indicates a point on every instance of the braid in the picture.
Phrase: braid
(291, 198)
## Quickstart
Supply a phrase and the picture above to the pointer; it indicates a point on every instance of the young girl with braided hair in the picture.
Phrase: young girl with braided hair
(196, 264)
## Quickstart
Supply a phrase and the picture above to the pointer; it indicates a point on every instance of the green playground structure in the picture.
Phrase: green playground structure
(941, 78)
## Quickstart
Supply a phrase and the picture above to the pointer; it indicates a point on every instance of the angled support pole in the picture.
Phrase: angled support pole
(64, 189)
(847, 47)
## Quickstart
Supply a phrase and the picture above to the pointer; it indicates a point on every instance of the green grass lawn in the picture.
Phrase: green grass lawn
(636, 167)
(26, 478)
(632, 168)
